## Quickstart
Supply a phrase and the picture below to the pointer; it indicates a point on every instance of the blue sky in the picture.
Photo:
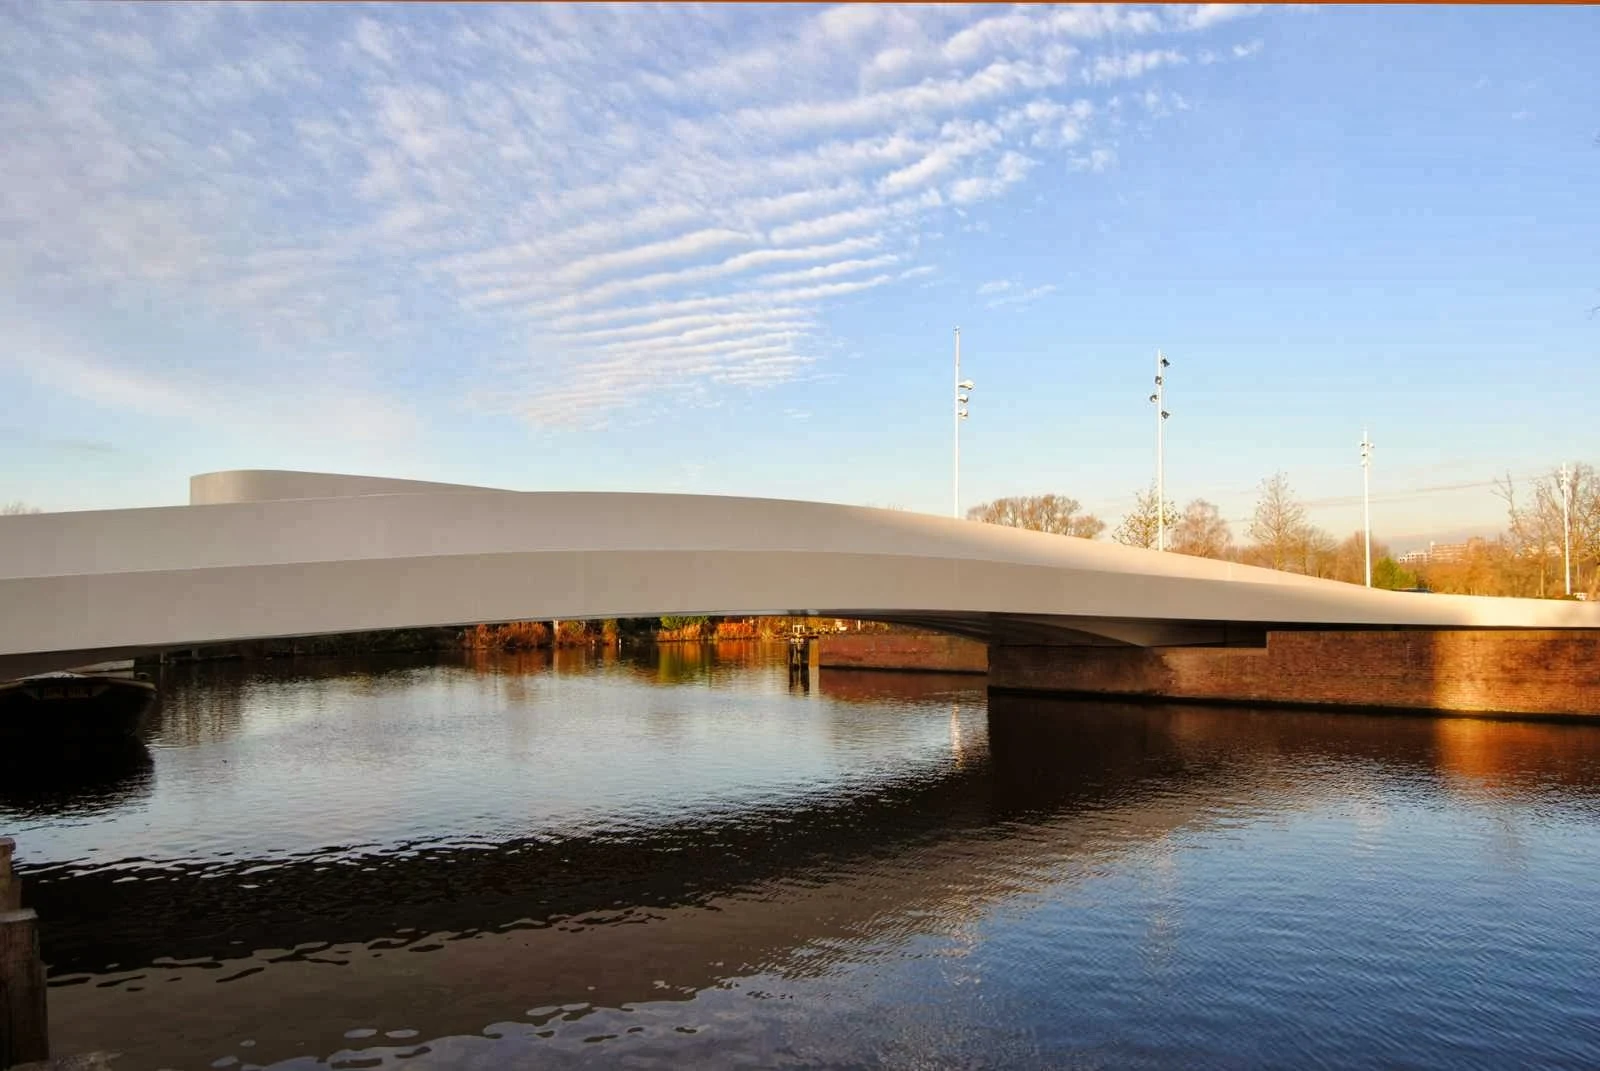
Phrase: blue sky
(722, 250)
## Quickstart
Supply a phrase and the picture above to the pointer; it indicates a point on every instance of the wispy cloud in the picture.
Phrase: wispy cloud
(1093, 160)
(1205, 16)
(828, 271)
(597, 206)
(65, 445)
(1129, 65)
(1022, 297)
(327, 411)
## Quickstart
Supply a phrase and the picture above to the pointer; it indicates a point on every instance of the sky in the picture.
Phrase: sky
(724, 250)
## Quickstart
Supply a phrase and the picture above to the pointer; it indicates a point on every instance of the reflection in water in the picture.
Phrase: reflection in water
(603, 858)
(58, 780)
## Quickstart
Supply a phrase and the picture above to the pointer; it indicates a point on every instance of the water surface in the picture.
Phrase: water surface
(677, 856)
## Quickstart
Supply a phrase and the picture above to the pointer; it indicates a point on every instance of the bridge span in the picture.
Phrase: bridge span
(261, 554)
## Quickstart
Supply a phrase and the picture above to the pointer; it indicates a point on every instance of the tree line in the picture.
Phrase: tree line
(1526, 559)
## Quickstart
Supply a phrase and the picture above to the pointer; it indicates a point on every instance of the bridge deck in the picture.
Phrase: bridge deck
(261, 554)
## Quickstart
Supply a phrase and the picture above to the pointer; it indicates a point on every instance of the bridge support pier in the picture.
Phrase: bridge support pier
(1542, 673)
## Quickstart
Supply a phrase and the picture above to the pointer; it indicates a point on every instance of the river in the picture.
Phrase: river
(678, 857)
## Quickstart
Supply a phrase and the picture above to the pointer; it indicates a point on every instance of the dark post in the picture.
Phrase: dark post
(24, 1034)
(10, 890)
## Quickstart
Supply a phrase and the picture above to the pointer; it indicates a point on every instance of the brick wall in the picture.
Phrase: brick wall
(1525, 672)
(894, 650)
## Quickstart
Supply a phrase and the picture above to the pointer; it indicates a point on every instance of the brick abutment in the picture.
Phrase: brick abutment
(1535, 672)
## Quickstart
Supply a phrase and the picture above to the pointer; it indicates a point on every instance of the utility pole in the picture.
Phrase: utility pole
(963, 395)
(1160, 399)
(1565, 482)
(1366, 498)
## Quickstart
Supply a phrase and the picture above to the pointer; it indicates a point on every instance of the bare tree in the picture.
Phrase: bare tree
(1534, 537)
(1279, 529)
(1139, 527)
(1346, 560)
(1057, 514)
(12, 509)
(1535, 534)
(1201, 531)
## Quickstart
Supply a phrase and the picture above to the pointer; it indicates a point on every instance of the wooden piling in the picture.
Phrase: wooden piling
(24, 1024)
(10, 890)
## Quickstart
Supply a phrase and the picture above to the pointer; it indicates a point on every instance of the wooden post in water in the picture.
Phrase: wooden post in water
(24, 1026)
(10, 888)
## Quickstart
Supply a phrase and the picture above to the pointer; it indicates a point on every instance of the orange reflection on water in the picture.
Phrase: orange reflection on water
(1496, 757)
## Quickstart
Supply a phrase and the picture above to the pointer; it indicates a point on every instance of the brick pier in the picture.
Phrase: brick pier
(1481, 672)
(927, 652)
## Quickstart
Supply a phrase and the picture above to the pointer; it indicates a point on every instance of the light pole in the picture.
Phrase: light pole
(1160, 400)
(1366, 498)
(963, 395)
(1565, 483)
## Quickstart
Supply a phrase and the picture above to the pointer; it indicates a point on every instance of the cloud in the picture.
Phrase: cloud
(302, 409)
(994, 287)
(932, 98)
(1012, 169)
(1022, 297)
(830, 225)
(1129, 65)
(663, 325)
(1095, 160)
(595, 205)
(67, 445)
(1205, 16)
(677, 248)
(373, 39)
(828, 271)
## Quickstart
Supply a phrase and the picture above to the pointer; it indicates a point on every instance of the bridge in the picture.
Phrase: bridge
(260, 554)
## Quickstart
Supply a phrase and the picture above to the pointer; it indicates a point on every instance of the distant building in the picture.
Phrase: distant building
(1437, 553)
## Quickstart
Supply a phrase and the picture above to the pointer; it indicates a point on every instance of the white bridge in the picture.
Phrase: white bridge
(263, 554)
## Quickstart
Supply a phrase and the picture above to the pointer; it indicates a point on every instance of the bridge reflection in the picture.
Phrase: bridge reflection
(73, 779)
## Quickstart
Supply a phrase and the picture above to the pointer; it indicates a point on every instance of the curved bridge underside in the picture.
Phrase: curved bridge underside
(262, 554)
